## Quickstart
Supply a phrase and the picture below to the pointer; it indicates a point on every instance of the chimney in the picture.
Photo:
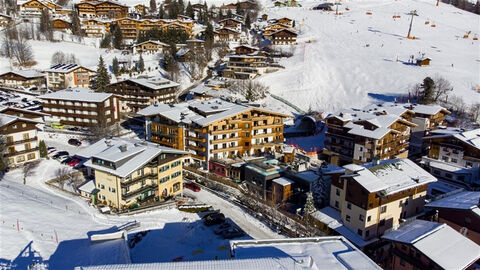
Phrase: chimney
(123, 148)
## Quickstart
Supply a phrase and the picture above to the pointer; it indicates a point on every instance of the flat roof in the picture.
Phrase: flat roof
(283, 181)
(77, 94)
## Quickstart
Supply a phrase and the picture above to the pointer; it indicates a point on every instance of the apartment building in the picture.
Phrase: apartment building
(130, 171)
(430, 245)
(426, 117)
(63, 76)
(214, 128)
(150, 46)
(245, 66)
(130, 27)
(95, 27)
(108, 9)
(461, 211)
(282, 37)
(375, 197)
(138, 93)
(81, 107)
(33, 8)
(359, 136)
(454, 155)
(22, 78)
(20, 134)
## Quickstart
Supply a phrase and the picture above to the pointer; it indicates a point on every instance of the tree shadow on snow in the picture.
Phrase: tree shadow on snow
(180, 241)
(383, 97)
(26, 258)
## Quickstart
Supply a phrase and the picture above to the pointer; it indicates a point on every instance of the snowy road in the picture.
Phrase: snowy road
(249, 224)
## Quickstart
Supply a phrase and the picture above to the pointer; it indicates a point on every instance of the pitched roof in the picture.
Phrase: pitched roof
(466, 200)
(155, 83)
(439, 242)
(77, 94)
(6, 119)
(29, 74)
(136, 153)
(152, 41)
(65, 68)
(389, 176)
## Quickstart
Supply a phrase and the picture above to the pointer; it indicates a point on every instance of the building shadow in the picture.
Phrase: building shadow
(25, 259)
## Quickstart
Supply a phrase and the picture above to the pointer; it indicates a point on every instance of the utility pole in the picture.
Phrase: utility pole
(413, 13)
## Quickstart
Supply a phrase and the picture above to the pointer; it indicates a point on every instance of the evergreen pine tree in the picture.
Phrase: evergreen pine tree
(173, 10)
(209, 36)
(103, 80)
(229, 13)
(106, 41)
(428, 87)
(141, 64)
(153, 6)
(181, 7)
(189, 11)
(43, 149)
(46, 27)
(309, 207)
(247, 21)
(239, 10)
(76, 26)
(115, 66)
(161, 12)
(117, 37)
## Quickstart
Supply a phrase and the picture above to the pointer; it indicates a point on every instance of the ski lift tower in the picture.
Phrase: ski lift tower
(412, 13)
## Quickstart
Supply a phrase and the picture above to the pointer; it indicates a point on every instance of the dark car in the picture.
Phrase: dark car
(60, 154)
(232, 233)
(214, 219)
(222, 227)
(192, 186)
(74, 142)
(67, 160)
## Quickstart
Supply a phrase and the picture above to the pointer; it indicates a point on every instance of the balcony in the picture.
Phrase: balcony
(267, 126)
(216, 132)
(129, 195)
(233, 139)
(14, 153)
(197, 148)
(197, 139)
(199, 157)
(152, 176)
(22, 141)
(227, 149)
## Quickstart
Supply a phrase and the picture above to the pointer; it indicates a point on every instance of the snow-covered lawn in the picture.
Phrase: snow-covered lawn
(44, 214)
(351, 60)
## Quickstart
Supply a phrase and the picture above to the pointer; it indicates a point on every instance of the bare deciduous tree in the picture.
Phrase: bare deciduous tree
(62, 175)
(442, 88)
(475, 112)
(28, 169)
(15, 46)
(61, 58)
(250, 89)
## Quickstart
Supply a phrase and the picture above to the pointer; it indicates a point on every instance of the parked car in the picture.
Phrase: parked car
(222, 227)
(192, 186)
(73, 162)
(74, 142)
(66, 160)
(51, 149)
(73, 128)
(60, 154)
(214, 219)
(232, 233)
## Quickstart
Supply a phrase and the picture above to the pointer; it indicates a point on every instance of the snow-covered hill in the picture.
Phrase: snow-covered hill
(348, 59)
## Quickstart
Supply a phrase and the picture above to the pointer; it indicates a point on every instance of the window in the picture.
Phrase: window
(111, 189)
(164, 179)
(369, 218)
(336, 204)
(367, 233)
(26, 136)
(176, 174)
(361, 217)
(20, 158)
(349, 205)
(383, 209)
(454, 160)
(402, 262)
(468, 220)
(31, 156)
(469, 164)
(437, 172)
(445, 159)
(347, 218)
(448, 175)
(382, 222)
(360, 232)
(140, 172)
(337, 192)
(361, 149)
(101, 186)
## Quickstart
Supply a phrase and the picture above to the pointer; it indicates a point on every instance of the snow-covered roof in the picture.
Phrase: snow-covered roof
(152, 41)
(77, 94)
(182, 52)
(330, 252)
(4, 108)
(389, 176)
(439, 242)
(65, 68)
(133, 153)
(466, 200)
(87, 187)
(471, 137)
(283, 181)
(6, 119)
(29, 74)
(308, 176)
(155, 83)
(200, 112)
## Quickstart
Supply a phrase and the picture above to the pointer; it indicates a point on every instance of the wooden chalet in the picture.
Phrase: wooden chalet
(23, 78)
(286, 21)
(150, 46)
(227, 35)
(94, 8)
(231, 23)
(5, 20)
(423, 61)
(245, 49)
(283, 37)
(61, 24)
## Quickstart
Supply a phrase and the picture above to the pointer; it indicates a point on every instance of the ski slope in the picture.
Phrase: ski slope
(342, 61)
